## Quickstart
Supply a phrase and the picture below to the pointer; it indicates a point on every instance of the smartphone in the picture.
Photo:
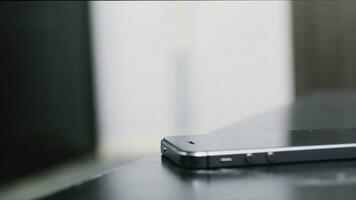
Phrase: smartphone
(259, 147)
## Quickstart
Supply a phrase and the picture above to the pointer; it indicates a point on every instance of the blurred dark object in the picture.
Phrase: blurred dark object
(325, 45)
(47, 112)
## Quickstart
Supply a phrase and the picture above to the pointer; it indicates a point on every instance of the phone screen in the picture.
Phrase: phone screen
(259, 139)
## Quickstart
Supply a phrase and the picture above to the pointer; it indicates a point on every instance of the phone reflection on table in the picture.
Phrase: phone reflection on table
(300, 181)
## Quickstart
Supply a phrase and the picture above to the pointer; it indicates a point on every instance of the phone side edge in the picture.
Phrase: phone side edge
(267, 157)
(185, 159)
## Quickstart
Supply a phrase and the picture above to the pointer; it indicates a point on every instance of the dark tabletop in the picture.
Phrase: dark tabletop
(156, 178)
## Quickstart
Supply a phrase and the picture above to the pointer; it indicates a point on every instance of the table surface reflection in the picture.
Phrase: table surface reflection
(155, 177)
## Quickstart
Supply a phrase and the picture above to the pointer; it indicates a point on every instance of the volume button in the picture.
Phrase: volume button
(271, 157)
(249, 158)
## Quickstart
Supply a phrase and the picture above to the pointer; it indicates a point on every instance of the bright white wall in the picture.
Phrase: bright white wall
(188, 67)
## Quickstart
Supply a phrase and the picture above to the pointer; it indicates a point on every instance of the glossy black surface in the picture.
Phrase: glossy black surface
(324, 118)
(156, 178)
(259, 139)
(152, 178)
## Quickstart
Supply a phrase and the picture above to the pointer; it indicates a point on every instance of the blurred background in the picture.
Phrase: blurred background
(166, 68)
(89, 86)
